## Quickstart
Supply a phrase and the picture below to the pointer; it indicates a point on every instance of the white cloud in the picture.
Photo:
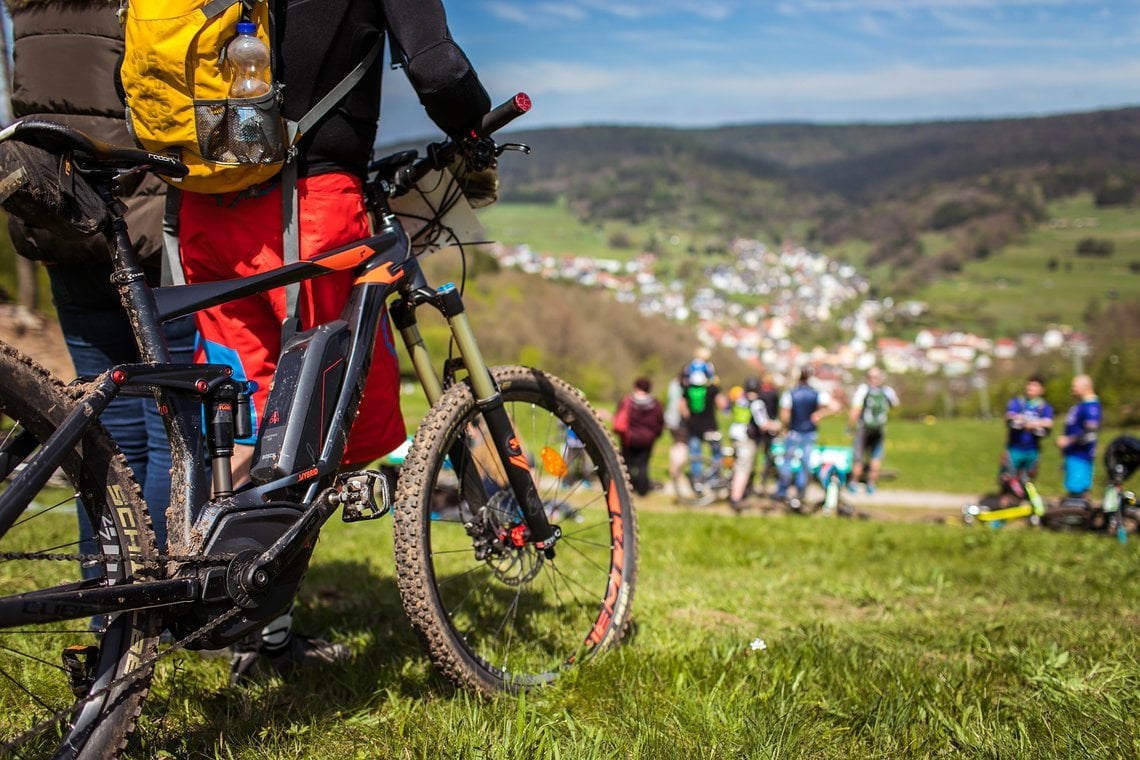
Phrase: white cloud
(692, 97)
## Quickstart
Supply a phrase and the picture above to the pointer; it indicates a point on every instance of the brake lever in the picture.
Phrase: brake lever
(520, 147)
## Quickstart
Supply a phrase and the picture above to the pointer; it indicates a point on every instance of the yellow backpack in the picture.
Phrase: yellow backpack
(176, 94)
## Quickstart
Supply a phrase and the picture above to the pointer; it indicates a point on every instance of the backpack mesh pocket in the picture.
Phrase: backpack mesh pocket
(245, 131)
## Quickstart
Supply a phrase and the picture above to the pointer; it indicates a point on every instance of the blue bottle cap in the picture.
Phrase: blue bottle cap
(246, 27)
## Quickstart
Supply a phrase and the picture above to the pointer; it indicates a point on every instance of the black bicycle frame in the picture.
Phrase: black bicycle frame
(383, 265)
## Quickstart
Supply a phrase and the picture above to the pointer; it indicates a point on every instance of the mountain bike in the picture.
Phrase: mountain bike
(713, 482)
(504, 596)
(995, 510)
(830, 467)
(1118, 513)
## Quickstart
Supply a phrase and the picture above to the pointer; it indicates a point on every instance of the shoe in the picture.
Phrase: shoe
(251, 660)
(736, 506)
(870, 488)
(851, 488)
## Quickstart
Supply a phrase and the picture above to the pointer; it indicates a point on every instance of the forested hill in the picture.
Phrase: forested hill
(861, 161)
(979, 182)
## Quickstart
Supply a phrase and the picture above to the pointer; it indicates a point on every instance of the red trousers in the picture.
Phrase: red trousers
(233, 235)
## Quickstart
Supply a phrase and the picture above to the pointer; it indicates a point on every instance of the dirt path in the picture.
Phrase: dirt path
(37, 337)
(885, 504)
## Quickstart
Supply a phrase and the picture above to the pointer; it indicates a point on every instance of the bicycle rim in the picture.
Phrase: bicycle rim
(64, 689)
(510, 618)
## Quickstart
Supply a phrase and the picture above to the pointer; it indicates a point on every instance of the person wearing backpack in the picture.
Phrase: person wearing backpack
(755, 424)
(222, 234)
(1029, 420)
(701, 399)
(638, 422)
(870, 407)
(315, 47)
(801, 409)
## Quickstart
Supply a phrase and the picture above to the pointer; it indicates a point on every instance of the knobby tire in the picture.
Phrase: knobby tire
(40, 716)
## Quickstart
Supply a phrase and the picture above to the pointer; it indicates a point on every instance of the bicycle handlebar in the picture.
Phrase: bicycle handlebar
(499, 117)
(406, 177)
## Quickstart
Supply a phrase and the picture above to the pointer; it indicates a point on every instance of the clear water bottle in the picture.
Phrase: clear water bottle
(247, 63)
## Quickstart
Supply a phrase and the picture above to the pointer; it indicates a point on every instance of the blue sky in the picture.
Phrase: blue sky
(693, 63)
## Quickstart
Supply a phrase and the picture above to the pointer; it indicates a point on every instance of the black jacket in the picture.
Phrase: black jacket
(66, 60)
(323, 40)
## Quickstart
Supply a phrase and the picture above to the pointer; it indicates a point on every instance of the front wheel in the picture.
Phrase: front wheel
(495, 612)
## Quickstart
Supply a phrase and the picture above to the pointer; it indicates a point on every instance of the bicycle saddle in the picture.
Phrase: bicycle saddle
(57, 138)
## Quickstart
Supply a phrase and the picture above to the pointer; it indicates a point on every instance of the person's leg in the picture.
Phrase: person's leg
(1078, 476)
(717, 453)
(695, 466)
(857, 453)
(742, 469)
(638, 460)
(98, 336)
(806, 445)
(876, 463)
(785, 479)
(769, 471)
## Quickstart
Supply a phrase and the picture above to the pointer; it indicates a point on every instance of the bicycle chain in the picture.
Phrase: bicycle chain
(185, 559)
(143, 666)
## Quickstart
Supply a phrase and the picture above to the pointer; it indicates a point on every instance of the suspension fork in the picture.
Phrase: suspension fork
(487, 398)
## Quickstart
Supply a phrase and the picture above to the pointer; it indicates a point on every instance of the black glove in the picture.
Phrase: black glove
(479, 185)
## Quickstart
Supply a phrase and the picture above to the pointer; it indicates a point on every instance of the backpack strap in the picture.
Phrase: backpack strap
(171, 262)
(294, 131)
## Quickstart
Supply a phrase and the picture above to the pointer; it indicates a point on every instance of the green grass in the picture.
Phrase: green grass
(882, 640)
(554, 230)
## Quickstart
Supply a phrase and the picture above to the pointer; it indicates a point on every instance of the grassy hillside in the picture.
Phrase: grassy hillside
(1040, 278)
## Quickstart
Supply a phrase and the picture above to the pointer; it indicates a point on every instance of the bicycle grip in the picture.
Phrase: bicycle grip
(502, 115)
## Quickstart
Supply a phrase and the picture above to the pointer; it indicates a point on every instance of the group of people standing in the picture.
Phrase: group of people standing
(1029, 418)
(760, 413)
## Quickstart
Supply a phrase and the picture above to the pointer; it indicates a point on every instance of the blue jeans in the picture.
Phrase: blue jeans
(98, 336)
(695, 466)
(797, 448)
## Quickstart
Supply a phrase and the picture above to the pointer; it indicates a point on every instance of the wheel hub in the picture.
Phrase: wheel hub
(502, 540)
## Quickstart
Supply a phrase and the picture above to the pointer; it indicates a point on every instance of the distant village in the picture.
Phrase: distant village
(795, 285)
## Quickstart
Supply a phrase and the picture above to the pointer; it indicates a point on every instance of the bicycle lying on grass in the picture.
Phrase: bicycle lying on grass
(502, 595)
(995, 509)
(1118, 513)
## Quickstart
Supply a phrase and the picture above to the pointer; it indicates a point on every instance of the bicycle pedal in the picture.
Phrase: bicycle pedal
(79, 665)
(365, 495)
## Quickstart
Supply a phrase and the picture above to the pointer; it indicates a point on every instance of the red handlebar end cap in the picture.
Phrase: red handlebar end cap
(522, 102)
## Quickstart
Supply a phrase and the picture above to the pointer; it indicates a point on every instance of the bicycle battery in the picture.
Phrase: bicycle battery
(301, 402)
